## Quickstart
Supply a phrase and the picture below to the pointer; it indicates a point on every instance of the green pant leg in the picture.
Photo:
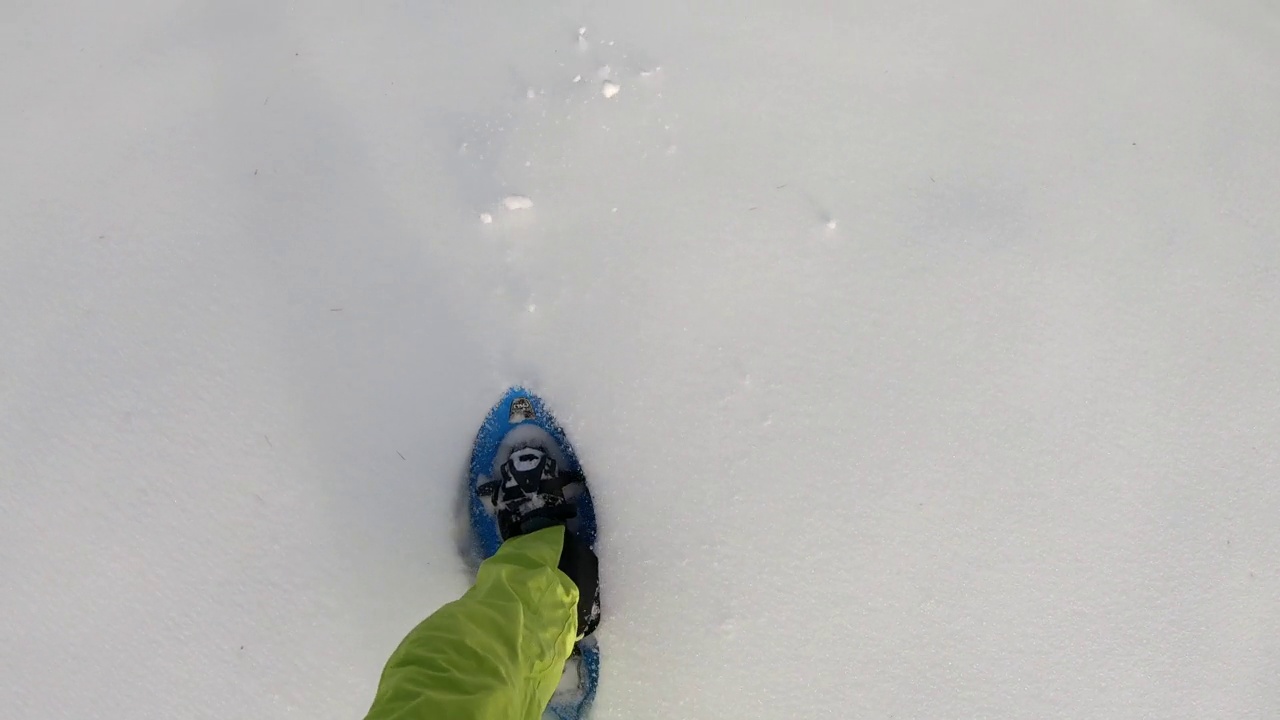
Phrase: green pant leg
(495, 654)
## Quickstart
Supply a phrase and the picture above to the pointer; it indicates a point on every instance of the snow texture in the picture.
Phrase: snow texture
(927, 368)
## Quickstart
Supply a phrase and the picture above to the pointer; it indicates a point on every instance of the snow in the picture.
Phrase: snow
(1000, 443)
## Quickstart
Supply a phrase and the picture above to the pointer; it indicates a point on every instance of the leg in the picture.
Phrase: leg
(495, 654)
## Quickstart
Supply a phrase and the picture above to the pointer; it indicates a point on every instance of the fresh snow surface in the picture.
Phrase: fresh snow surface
(923, 355)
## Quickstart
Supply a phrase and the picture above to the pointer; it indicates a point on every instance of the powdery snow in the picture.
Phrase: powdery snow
(1000, 443)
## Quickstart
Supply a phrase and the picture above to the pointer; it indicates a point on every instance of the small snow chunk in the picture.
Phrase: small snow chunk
(517, 202)
(831, 224)
(531, 93)
(577, 78)
(609, 89)
(486, 218)
(582, 31)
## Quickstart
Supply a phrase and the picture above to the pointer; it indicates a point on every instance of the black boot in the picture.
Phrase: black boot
(529, 496)
(583, 568)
